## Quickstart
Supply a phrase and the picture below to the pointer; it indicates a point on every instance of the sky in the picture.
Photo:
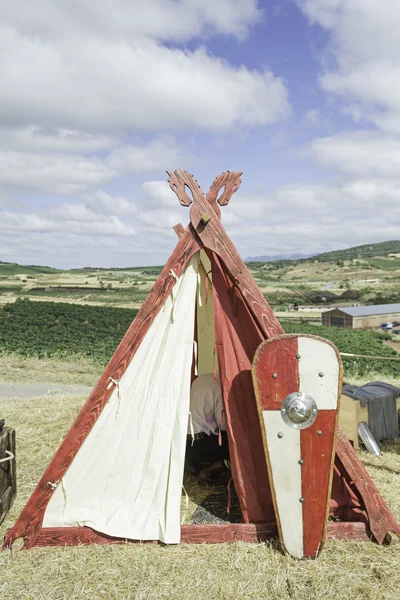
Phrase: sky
(98, 100)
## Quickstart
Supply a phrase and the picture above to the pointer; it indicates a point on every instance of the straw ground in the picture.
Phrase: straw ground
(345, 570)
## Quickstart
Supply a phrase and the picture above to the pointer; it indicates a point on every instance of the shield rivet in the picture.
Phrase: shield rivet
(301, 500)
(274, 375)
(301, 462)
(283, 410)
(319, 432)
(280, 434)
(298, 356)
(321, 374)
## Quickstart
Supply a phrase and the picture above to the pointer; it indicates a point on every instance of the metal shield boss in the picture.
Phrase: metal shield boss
(299, 410)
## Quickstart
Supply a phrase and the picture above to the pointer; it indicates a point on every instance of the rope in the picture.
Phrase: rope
(228, 506)
(215, 357)
(7, 458)
(64, 491)
(191, 427)
(175, 276)
(53, 485)
(221, 420)
(206, 287)
(200, 301)
(196, 370)
(116, 382)
(368, 356)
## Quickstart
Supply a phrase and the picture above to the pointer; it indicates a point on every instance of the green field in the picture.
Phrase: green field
(46, 329)
(119, 296)
(49, 329)
(355, 341)
(369, 274)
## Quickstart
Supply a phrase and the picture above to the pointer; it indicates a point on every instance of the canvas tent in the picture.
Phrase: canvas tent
(118, 473)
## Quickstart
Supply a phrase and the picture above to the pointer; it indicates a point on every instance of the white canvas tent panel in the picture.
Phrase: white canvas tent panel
(126, 479)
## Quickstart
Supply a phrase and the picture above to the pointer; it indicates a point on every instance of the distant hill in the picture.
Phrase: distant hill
(7, 269)
(364, 251)
(381, 249)
(265, 258)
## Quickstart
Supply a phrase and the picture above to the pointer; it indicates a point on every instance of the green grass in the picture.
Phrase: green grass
(46, 329)
(112, 296)
(355, 342)
(16, 269)
(10, 288)
(392, 264)
(357, 252)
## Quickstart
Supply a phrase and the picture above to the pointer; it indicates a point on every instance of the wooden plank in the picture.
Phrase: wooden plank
(381, 520)
(236, 532)
(8, 476)
(179, 230)
(317, 451)
(29, 522)
(12, 446)
(215, 238)
(6, 500)
(348, 418)
(194, 534)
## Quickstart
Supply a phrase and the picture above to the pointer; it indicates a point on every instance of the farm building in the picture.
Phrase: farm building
(361, 317)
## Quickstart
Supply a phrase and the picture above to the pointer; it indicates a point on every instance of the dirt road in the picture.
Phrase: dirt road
(35, 390)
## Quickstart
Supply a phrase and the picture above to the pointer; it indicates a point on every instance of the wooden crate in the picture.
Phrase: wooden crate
(351, 414)
(8, 478)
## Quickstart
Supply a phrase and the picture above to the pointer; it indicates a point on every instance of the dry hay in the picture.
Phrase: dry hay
(345, 570)
(72, 370)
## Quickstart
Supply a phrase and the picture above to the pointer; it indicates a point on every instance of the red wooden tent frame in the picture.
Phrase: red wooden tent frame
(204, 231)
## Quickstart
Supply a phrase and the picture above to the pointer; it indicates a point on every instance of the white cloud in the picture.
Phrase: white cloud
(21, 224)
(101, 85)
(38, 139)
(102, 229)
(60, 174)
(103, 203)
(317, 217)
(91, 94)
(69, 174)
(158, 194)
(154, 156)
(166, 20)
(365, 45)
(360, 153)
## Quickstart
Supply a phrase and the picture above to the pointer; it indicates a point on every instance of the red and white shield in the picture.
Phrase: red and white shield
(297, 380)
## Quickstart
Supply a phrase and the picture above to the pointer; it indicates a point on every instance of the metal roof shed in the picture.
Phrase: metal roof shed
(361, 317)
